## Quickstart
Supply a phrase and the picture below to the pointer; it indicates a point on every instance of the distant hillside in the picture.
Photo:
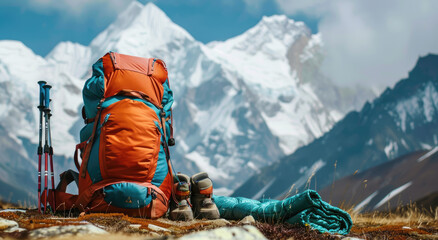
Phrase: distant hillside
(404, 180)
(429, 202)
(402, 120)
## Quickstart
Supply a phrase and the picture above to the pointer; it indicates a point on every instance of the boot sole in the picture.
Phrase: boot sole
(209, 214)
(181, 216)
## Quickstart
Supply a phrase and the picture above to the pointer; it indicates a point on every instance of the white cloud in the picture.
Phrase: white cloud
(311, 7)
(371, 42)
(254, 6)
(76, 8)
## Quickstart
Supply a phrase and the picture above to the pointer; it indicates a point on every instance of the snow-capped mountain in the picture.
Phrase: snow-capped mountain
(240, 104)
(402, 120)
(71, 58)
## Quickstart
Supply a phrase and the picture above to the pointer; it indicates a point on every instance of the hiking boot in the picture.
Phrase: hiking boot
(202, 191)
(180, 210)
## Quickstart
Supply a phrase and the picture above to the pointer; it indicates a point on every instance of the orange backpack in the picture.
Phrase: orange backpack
(124, 146)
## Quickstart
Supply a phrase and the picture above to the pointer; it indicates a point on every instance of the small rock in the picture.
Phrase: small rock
(352, 238)
(5, 224)
(13, 210)
(156, 235)
(135, 225)
(219, 222)
(69, 230)
(247, 220)
(238, 233)
(15, 229)
(405, 227)
(157, 228)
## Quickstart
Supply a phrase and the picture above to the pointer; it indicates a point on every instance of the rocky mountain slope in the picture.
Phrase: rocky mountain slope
(398, 182)
(240, 104)
(402, 120)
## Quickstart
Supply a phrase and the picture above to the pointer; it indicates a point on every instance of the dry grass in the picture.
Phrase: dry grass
(410, 216)
(6, 205)
(408, 222)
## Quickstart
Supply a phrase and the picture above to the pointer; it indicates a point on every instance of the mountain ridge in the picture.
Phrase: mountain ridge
(362, 139)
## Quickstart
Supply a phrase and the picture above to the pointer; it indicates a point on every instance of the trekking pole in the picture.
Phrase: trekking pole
(46, 140)
(52, 173)
(40, 148)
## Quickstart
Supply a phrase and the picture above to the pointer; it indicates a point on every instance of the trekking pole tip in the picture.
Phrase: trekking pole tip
(42, 82)
(47, 86)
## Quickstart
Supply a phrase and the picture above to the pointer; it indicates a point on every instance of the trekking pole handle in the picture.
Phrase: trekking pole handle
(42, 93)
(47, 95)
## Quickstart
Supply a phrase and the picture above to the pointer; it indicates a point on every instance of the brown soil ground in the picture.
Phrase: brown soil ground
(406, 225)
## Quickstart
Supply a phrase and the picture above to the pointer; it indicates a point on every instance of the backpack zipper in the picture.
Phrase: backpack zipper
(105, 119)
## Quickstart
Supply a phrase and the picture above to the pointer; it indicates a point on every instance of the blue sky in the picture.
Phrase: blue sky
(42, 29)
(368, 42)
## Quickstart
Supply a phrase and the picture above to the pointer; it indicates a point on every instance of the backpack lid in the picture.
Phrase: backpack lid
(122, 72)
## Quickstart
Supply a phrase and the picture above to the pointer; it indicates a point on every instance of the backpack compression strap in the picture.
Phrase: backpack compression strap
(90, 141)
(138, 94)
(151, 64)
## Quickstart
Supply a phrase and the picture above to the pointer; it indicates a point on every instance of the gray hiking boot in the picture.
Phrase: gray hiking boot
(181, 210)
(202, 191)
